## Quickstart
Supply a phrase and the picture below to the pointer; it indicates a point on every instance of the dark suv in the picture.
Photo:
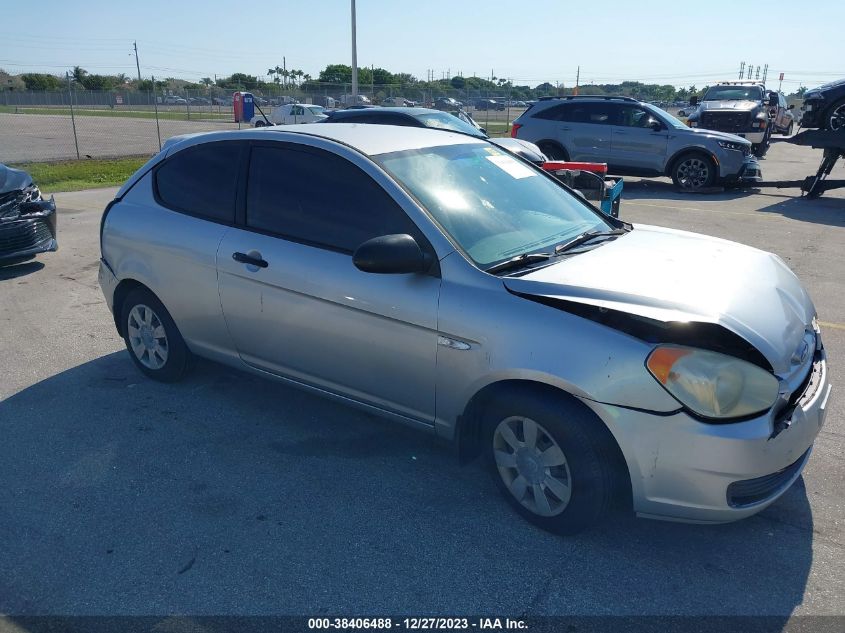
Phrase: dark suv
(636, 139)
(824, 107)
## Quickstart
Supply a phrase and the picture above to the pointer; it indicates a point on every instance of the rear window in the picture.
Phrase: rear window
(201, 181)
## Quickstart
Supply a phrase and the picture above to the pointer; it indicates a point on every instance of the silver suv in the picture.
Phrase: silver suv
(440, 281)
(636, 139)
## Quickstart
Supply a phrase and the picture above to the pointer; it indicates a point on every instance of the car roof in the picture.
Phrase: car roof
(397, 109)
(369, 139)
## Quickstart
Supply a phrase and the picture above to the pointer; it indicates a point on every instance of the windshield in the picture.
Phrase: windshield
(446, 121)
(493, 205)
(317, 109)
(667, 118)
(734, 93)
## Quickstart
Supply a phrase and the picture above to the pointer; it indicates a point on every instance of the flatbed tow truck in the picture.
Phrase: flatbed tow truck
(832, 144)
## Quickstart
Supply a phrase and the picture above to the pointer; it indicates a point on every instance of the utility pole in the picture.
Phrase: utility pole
(285, 71)
(741, 69)
(354, 59)
(765, 72)
(137, 63)
(72, 118)
(577, 81)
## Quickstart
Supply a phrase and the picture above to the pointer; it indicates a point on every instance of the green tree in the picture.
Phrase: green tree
(41, 81)
(98, 82)
(336, 74)
(458, 82)
(78, 73)
(382, 77)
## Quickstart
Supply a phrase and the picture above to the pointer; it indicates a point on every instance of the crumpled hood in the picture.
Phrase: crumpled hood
(828, 86)
(728, 105)
(13, 179)
(669, 275)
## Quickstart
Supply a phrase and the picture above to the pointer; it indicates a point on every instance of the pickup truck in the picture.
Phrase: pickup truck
(737, 107)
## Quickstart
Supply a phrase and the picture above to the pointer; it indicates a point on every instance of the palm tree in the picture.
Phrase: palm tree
(78, 73)
(300, 74)
(271, 72)
(206, 81)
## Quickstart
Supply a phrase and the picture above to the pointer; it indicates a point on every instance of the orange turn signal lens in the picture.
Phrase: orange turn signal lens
(662, 359)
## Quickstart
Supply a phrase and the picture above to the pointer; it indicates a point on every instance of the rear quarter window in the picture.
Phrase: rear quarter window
(201, 180)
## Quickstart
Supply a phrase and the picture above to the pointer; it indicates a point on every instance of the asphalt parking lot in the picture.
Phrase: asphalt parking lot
(226, 494)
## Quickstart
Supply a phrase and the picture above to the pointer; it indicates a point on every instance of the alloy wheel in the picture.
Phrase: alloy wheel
(532, 465)
(693, 173)
(837, 118)
(147, 337)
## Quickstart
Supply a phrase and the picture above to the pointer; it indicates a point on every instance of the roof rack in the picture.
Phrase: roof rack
(606, 98)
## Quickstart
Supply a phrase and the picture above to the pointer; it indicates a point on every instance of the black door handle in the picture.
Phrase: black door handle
(243, 258)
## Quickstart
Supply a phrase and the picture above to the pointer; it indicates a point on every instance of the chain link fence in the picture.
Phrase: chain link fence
(71, 124)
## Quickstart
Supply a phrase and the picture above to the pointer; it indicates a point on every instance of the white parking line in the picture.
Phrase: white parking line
(770, 216)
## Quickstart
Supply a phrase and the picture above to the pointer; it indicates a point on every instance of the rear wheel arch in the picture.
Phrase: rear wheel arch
(554, 150)
(120, 293)
(469, 433)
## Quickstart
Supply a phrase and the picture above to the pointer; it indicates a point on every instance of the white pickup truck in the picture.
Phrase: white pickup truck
(290, 114)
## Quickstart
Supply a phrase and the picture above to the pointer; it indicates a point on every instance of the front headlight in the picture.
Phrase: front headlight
(731, 145)
(710, 384)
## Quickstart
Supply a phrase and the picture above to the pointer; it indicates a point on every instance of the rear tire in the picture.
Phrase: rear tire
(152, 338)
(550, 459)
(553, 151)
(259, 124)
(789, 129)
(693, 171)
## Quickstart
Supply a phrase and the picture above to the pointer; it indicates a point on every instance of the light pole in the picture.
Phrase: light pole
(354, 59)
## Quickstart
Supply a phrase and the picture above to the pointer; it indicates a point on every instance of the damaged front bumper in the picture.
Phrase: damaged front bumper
(27, 229)
(685, 470)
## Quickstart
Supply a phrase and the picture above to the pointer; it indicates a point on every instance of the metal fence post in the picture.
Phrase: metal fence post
(155, 105)
(72, 117)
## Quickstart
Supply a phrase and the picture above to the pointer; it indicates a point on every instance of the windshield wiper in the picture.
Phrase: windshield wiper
(517, 262)
(586, 237)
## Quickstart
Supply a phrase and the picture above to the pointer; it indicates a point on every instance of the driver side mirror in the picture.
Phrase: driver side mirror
(655, 125)
(791, 106)
(773, 100)
(391, 255)
(693, 100)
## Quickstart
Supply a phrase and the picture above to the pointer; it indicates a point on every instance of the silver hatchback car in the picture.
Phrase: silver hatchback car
(443, 282)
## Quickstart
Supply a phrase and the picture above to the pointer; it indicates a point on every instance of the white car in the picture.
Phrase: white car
(292, 113)
(396, 101)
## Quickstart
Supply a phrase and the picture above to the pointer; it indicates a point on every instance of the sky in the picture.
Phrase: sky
(669, 42)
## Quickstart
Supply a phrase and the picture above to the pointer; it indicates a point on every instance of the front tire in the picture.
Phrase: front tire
(550, 460)
(835, 117)
(693, 172)
(152, 338)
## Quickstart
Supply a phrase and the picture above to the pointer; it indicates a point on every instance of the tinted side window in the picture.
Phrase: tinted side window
(318, 198)
(600, 113)
(560, 112)
(631, 116)
(201, 180)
